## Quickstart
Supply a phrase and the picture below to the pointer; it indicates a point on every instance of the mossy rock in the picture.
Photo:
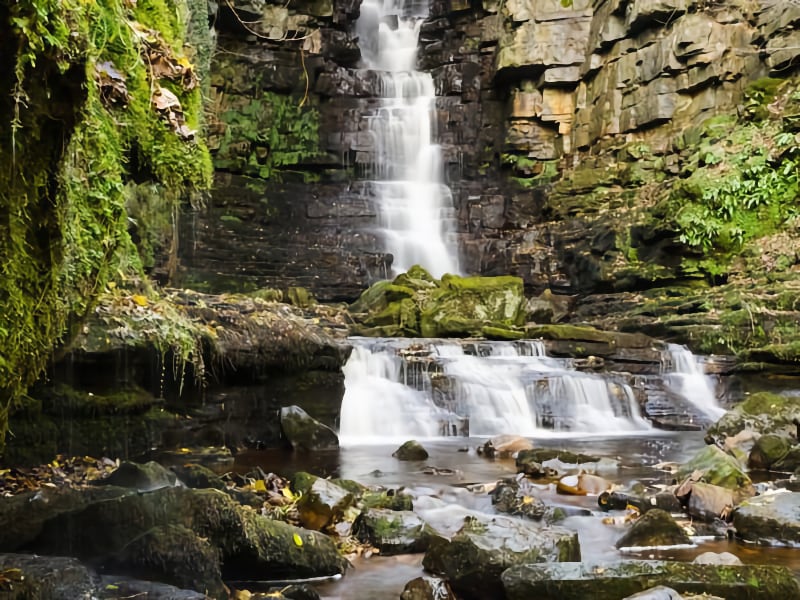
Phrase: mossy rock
(762, 412)
(393, 532)
(390, 499)
(411, 450)
(378, 296)
(718, 468)
(615, 580)
(570, 332)
(655, 528)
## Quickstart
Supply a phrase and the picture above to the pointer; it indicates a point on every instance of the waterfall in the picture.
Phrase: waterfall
(396, 389)
(415, 206)
(687, 379)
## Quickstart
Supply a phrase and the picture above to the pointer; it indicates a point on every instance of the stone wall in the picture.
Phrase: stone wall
(543, 114)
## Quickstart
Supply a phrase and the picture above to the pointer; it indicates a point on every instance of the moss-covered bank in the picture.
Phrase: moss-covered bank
(97, 99)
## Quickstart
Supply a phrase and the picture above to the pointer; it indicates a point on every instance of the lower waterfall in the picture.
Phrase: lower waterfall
(401, 388)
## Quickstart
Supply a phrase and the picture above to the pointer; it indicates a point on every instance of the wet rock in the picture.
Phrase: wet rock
(660, 592)
(306, 433)
(427, 588)
(705, 501)
(620, 500)
(23, 516)
(775, 453)
(614, 580)
(142, 477)
(655, 528)
(411, 450)
(393, 532)
(762, 412)
(717, 558)
(474, 558)
(198, 476)
(323, 504)
(174, 555)
(45, 577)
(504, 446)
(714, 466)
(527, 458)
(248, 544)
(114, 587)
(509, 497)
(770, 519)
(390, 499)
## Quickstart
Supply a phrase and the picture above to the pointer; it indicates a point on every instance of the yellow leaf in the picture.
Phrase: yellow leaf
(260, 486)
(139, 299)
(298, 541)
(184, 450)
(287, 493)
(527, 500)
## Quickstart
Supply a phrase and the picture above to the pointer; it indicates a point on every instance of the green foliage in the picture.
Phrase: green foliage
(267, 135)
(66, 155)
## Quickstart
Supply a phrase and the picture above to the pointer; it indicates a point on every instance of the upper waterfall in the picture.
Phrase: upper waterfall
(415, 206)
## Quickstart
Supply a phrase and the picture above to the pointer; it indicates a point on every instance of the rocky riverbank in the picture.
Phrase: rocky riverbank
(218, 535)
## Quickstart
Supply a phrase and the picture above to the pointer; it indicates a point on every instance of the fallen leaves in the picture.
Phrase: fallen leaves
(73, 472)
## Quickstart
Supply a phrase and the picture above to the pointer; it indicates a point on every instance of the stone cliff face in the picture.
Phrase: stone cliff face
(562, 129)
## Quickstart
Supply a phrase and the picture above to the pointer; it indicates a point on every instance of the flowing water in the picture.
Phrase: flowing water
(396, 389)
(415, 206)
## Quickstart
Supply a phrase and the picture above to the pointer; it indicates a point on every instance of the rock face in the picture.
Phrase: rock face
(769, 520)
(537, 106)
(474, 558)
(611, 581)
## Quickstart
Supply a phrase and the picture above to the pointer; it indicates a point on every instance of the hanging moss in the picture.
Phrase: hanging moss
(77, 122)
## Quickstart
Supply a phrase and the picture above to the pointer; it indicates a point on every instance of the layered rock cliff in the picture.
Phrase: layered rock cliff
(605, 147)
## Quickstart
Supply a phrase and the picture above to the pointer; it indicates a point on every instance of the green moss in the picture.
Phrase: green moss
(268, 134)
(68, 147)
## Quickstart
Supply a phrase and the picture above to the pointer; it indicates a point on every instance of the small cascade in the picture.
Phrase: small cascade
(415, 206)
(400, 388)
(685, 376)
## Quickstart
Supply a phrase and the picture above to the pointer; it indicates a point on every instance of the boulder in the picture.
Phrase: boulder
(774, 452)
(393, 532)
(323, 504)
(508, 497)
(427, 588)
(762, 412)
(45, 578)
(247, 543)
(474, 558)
(197, 476)
(770, 520)
(411, 450)
(615, 580)
(717, 558)
(306, 433)
(504, 446)
(713, 465)
(705, 501)
(654, 528)
(141, 477)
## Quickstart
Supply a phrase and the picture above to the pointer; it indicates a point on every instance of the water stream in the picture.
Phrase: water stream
(396, 389)
(415, 206)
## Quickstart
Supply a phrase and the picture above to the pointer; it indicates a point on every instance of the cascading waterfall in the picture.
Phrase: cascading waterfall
(415, 206)
(687, 379)
(396, 389)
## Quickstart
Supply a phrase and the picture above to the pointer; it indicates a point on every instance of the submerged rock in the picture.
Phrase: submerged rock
(427, 588)
(475, 557)
(771, 519)
(306, 433)
(655, 528)
(615, 580)
(411, 450)
(393, 532)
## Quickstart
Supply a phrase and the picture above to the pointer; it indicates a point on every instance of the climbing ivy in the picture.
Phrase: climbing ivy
(77, 123)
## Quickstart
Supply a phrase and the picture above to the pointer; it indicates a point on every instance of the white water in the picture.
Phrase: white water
(688, 380)
(397, 389)
(415, 206)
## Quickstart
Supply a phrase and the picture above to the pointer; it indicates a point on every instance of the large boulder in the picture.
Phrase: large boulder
(475, 557)
(323, 503)
(393, 532)
(762, 412)
(411, 450)
(142, 477)
(306, 433)
(615, 580)
(775, 452)
(714, 466)
(415, 304)
(655, 528)
(771, 519)
(137, 529)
